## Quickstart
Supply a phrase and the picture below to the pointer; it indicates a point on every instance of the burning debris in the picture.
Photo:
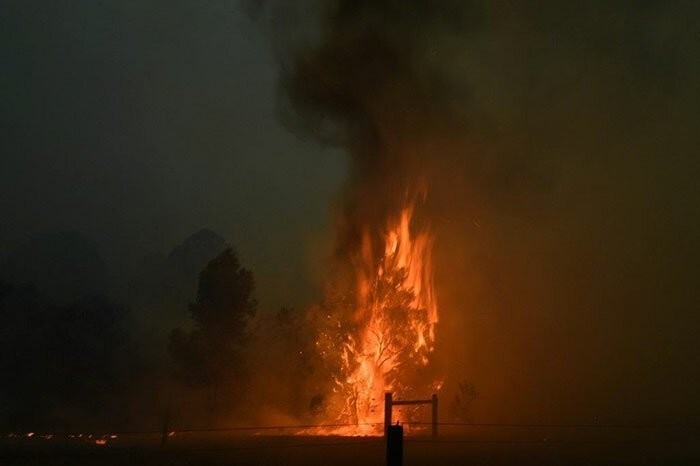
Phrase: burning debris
(91, 439)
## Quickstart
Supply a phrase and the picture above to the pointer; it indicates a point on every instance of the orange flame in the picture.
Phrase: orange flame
(395, 315)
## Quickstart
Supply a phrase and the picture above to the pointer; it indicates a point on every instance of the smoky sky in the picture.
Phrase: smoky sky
(137, 123)
(559, 143)
(559, 139)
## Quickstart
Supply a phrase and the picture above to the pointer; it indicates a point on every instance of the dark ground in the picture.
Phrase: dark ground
(485, 447)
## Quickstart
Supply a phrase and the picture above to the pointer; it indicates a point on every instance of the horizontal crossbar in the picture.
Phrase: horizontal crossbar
(412, 402)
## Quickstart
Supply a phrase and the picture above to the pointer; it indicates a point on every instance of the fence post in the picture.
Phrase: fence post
(435, 415)
(394, 445)
(387, 412)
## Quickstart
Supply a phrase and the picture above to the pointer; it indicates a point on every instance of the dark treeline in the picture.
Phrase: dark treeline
(181, 339)
(63, 363)
(181, 342)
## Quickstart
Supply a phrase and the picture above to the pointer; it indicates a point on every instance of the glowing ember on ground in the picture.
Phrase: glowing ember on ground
(98, 439)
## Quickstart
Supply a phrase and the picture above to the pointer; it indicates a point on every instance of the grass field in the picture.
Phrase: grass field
(485, 446)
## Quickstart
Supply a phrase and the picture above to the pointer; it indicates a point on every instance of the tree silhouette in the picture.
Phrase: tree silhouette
(461, 405)
(210, 354)
(62, 363)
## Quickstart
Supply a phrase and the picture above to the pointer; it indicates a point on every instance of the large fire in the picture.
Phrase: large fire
(393, 325)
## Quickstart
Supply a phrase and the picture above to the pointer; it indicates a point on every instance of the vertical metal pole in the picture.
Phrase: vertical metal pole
(387, 412)
(435, 415)
(394, 445)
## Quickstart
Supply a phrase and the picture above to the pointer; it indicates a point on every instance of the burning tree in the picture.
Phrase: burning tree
(361, 80)
(381, 337)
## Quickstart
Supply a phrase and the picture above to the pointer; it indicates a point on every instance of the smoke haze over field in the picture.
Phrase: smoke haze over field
(557, 140)
(558, 143)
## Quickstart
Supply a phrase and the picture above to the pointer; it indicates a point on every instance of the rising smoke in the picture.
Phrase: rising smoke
(555, 141)
(357, 76)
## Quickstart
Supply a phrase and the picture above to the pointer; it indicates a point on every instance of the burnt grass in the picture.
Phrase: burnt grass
(504, 448)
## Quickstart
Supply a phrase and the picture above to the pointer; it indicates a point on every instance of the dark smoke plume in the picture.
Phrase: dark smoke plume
(359, 79)
(558, 144)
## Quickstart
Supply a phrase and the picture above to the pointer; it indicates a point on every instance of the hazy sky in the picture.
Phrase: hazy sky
(560, 140)
(562, 143)
(139, 122)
